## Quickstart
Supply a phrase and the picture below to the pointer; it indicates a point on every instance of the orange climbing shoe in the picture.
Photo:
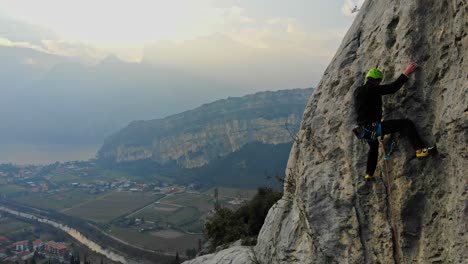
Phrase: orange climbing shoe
(423, 152)
(369, 177)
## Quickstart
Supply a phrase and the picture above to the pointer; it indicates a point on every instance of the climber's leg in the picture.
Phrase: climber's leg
(372, 157)
(407, 128)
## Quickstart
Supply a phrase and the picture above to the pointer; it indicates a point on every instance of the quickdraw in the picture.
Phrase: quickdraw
(393, 147)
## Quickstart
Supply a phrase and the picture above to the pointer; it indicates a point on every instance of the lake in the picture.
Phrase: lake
(20, 153)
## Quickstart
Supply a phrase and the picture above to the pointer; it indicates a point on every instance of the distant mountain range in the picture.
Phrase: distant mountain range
(59, 92)
(51, 98)
(236, 139)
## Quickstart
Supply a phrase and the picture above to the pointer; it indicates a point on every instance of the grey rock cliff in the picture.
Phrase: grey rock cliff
(194, 138)
(328, 213)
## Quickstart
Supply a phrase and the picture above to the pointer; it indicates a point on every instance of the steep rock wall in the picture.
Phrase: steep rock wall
(328, 213)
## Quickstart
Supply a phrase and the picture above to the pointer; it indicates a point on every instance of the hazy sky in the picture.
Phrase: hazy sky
(183, 53)
(251, 44)
(124, 26)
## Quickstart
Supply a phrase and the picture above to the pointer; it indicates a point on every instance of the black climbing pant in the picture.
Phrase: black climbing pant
(405, 127)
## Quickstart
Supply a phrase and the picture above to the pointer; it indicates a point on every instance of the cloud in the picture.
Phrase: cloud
(77, 51)
(350, 5)
(20, 34)
(73, 49)
(279, 50)
(19, 31)
(111, 22)
(236, 14)
(127, 27)
(259, 59)
(5, 42)
(283, 34)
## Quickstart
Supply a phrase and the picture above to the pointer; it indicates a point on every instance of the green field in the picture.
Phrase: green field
(57, 201)
(10, 226)
(156, 212)
(203, 202)
(233, 193)
(180, 210)
(165, 207)
(167, 240)
(185, 210)
(68, 178)
(103, 175)
(185, 218)
(109, 175)
(10, 189)
(112, 205)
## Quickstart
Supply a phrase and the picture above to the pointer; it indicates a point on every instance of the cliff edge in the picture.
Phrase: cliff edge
(328, 214)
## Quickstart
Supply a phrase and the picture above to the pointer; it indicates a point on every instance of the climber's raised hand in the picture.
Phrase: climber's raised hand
(410, 68)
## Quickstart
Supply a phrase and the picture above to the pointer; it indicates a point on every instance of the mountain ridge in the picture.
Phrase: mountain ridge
(197, 136)
(61, 100)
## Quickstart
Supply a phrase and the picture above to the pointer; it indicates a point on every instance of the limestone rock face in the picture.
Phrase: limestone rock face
(196, 137)
(232, 255)
(328, 213)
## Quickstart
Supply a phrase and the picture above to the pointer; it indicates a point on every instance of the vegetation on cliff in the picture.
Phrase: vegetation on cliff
(227, 226)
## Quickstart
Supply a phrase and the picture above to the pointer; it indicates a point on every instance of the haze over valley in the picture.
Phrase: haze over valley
(153, 131)
(69, 93)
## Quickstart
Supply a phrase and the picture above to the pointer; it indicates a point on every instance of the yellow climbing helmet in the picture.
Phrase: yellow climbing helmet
(375, 73)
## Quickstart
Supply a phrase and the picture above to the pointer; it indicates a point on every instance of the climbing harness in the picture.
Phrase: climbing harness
(388, 190)
(369, 132)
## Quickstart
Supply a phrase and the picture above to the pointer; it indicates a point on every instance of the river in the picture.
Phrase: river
(76, 235)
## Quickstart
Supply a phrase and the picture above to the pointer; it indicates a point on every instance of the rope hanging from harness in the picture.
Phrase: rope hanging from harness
(393, 147)
(388, 188)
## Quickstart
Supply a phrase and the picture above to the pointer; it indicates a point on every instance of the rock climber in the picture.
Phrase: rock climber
(368, 105)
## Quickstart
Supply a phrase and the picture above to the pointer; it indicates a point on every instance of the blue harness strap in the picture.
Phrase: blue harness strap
(375, 133)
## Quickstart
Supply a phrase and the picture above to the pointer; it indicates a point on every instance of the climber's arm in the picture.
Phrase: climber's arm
(392, 87)
(396, 85)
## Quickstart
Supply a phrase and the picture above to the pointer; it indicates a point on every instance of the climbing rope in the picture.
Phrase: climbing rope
(388, 188)
(393, 147)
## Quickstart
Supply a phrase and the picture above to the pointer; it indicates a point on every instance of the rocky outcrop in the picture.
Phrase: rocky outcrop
(232, 255)
(418, 214)
(196, 137)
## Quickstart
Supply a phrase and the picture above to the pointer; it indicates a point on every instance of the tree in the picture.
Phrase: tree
(223, 227)
(75, 258)
(177, 258)
(191, 253)
(30, 246)
(227, 226)
(86, 261)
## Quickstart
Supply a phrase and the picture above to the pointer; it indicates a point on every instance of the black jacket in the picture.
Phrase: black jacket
(368, 99)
